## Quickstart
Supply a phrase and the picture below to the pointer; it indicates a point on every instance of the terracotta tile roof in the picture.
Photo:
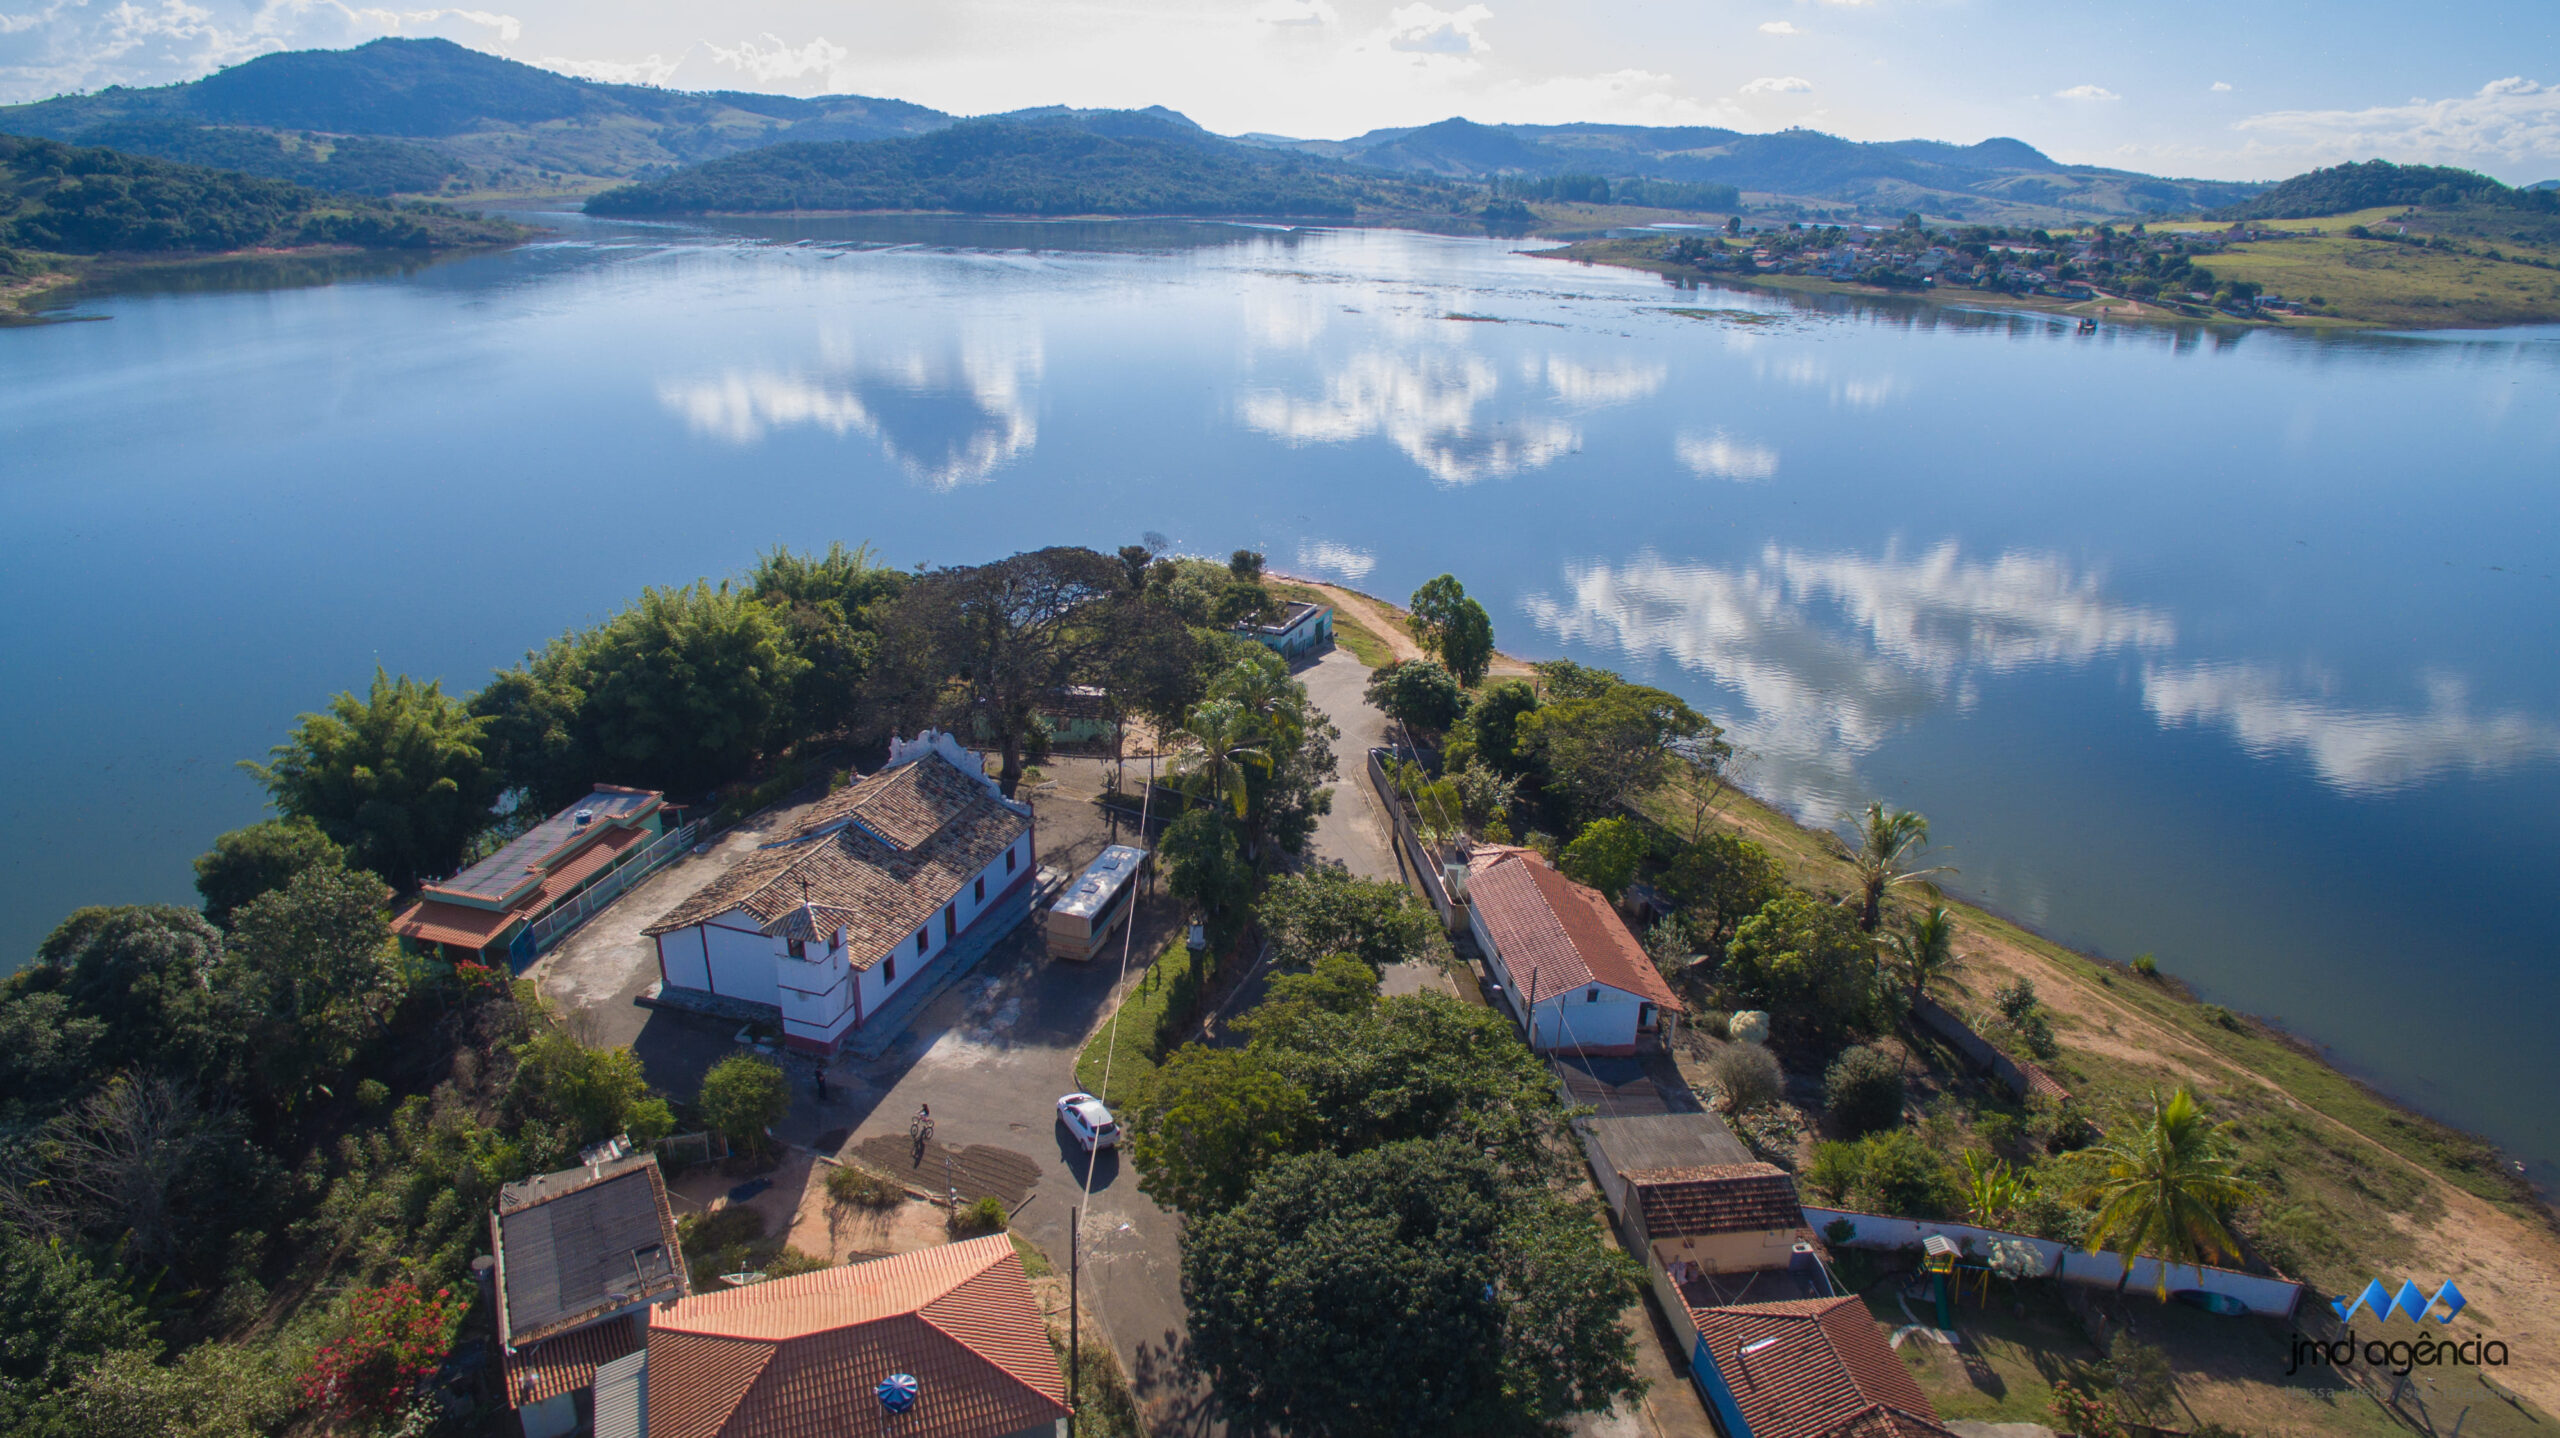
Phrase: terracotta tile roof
(1563, 933)
(433, 921)
(1716, 1198)
(799, 1357)
(578, 1244)
(1827, 1373)
(569, 1362)
(878, 892)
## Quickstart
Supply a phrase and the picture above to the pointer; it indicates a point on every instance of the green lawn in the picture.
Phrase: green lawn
(1127, 1042)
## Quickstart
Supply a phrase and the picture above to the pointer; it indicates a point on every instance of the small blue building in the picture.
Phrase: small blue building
(1302, 628)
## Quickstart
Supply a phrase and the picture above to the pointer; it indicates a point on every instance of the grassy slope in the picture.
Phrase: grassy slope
(1125, 1047)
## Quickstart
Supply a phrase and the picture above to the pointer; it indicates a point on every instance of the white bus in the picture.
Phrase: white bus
(1096, 903)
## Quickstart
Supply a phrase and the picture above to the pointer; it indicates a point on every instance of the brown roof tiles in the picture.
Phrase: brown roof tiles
(1826, 1371)
(800, 1357)
(1555, 934)
(903, 842)
(1716, 1198)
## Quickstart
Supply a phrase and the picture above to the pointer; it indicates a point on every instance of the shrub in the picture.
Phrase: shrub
(983, 1215)
(1805, 961)
(395, 1338)
(2146, 966)
(1837, 1170)
(2142, 1377)
(1863, 1090)
(1904, 1177)
(729, 1227)
(1838, 1232)
(2016, 1000)
(743, 1096)
(2224, 1017)
(792, 1261)
(2084, 1414)
(850, 1187)
(1747, 1076)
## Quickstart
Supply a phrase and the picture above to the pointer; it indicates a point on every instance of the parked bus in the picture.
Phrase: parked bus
(1096, 903)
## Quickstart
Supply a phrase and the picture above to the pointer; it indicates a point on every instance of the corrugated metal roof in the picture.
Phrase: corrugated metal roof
(622, 1397)
(583, 1242)
(540, 847)
(1101, 879)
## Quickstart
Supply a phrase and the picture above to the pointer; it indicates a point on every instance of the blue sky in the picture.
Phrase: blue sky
(2241, 91)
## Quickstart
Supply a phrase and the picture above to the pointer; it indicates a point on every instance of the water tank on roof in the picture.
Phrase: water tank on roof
(897, 1392)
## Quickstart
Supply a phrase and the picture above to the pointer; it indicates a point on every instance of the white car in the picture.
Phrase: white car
(1091, 1124)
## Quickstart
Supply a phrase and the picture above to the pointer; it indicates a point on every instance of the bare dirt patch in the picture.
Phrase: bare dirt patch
(981, 1170)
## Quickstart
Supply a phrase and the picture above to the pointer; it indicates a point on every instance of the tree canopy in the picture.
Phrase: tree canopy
(397, 778)
(1806, 962)
(1324, 910)
(1418, 694)
(990, 643)
(1603, 741)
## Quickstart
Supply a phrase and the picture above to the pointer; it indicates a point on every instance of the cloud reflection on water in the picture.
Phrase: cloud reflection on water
(1426, 404)
(950, 419)
(2356, 751)
(1831, 653)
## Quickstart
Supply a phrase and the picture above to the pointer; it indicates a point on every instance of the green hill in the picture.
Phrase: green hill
(440, 116)
(2343, 189)
(1107, 163)
(77, 201)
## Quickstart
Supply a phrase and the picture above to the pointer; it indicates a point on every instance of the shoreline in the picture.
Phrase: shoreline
(104, 272)
(1758, 817)
(1620, 254)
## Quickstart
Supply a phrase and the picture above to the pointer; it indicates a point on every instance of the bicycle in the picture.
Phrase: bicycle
(920, 1127)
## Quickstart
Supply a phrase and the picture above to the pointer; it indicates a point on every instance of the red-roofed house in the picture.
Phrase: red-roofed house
(807, 1356)
(486, 913)
(1812, 1368)
(1573, 974)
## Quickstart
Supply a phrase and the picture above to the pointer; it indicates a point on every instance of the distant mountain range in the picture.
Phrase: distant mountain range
(427, 116)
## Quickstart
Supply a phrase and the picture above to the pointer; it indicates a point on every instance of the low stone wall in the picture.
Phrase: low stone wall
(1421, 866)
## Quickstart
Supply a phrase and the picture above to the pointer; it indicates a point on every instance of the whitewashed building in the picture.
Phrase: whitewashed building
(1571, 973)
(918, 866)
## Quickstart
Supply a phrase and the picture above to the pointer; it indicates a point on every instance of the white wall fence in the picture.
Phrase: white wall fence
(2262, 1294)
(660, 852)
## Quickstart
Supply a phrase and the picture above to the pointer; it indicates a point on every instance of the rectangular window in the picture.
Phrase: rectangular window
(889, 969)
(919, 941)
(1008, 860)
(980, 896)
(1592, 997)
(799, 950)
(950, 920)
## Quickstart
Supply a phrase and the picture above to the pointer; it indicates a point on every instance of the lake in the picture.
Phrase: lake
(2235, 648)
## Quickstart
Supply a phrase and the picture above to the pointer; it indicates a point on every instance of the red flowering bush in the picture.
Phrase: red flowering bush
(2084, 1415)
(395, 1338)
(479, 977)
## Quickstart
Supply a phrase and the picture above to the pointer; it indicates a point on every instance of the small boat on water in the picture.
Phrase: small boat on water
(2088, 325)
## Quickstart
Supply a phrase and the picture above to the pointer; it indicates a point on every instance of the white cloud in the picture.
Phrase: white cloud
(1778, 85)
(1428, 30)
(653, 70)
(1719, 456)
(2087, 92)
(776, 59)
(2220, 87)
(72, 45)
(1778, 27)
(2513, 120)
(1297, 14)
(2354, 750)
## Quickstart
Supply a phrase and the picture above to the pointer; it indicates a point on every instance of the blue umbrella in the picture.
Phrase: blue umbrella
(897, 1392)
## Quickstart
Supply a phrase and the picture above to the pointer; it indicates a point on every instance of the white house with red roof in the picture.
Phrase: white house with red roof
(910, 869)
(1574, 976)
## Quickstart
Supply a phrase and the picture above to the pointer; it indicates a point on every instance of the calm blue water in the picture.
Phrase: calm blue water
(2237, 649)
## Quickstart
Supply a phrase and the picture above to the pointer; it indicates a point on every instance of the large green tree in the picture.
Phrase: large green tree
(1605, 855)
(259, 859)
(1491, 729)
(743, 1096)
(684, 689)
(316, 975)
(1804, 961)
(1208, 1122)
(58, 1318)
(1422, 1066)
(1206, 868)
(988, 644)
(1604, 749)
(1418, 694)
(831, 605)
(397, 778)
(1406, 1289)
(1324, 910)
(2167, 1189)
(1719, 881)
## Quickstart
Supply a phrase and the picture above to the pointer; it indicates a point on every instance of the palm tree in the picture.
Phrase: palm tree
(1924, 951)
(1887, 840)
(2166, 1188)
(1230, 744)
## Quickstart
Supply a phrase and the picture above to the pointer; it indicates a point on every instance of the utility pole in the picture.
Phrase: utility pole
(1075, 1358)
